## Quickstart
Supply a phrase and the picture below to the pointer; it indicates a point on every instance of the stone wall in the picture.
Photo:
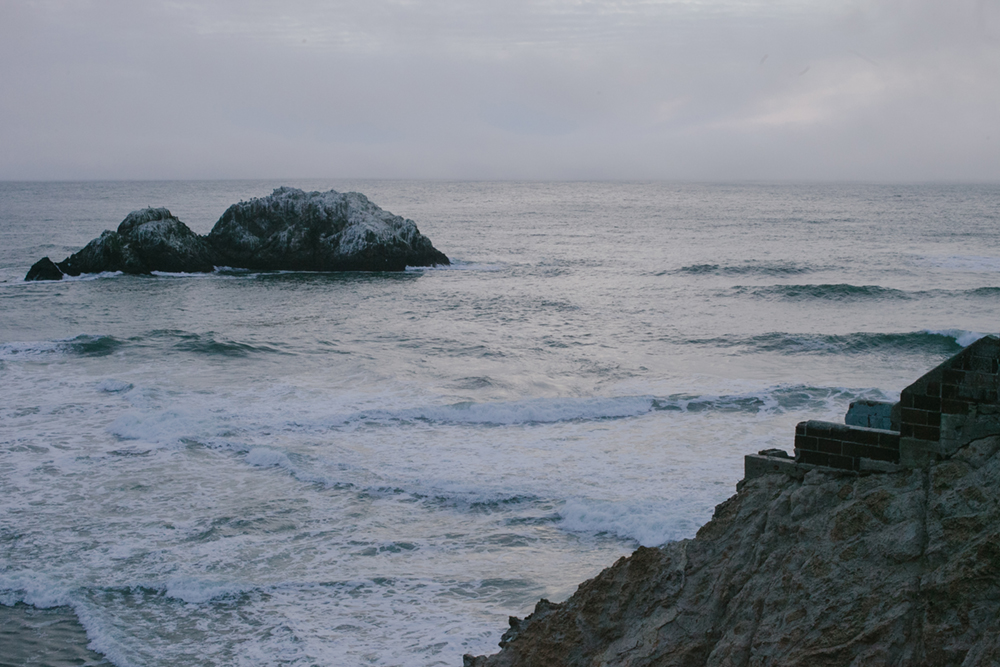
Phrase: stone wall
(844, 447)
(951, 405)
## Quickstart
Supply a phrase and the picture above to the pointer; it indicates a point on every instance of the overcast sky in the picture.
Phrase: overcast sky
(519, 89)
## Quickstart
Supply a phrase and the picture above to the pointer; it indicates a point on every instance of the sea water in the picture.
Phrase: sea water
(247, 468)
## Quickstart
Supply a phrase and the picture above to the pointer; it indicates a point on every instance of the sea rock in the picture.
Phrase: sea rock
(831, 569)
(149, 240)
(319, 231)
(44, 269)
(288, 230)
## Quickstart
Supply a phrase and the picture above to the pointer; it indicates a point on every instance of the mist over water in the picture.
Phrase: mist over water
(377, 469)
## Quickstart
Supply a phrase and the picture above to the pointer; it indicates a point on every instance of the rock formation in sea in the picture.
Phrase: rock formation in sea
(287, 230)
(319, 231)
(812, 565)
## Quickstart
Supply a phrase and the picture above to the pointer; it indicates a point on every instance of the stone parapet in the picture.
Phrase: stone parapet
(844, 447)
(952, 405)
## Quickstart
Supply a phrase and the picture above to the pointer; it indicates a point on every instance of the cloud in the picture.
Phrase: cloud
(880, 89)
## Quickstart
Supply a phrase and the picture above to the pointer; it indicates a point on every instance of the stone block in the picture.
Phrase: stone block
(812, 458)
(830, 446)
(843, 462)
(882, 454)
(756, 465)
(927, 432)
(954, 406)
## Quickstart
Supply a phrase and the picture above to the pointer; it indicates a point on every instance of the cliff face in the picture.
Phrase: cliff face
(832, 569)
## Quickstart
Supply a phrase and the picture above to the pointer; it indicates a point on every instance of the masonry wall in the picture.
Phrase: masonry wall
(951, 405)
(842, 446)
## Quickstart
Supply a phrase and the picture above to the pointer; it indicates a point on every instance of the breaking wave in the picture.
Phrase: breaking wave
(84, 345)
(749, 268)
(846, 292)
(936, 342)
(838, 292)
(777, 399)
(87, 345)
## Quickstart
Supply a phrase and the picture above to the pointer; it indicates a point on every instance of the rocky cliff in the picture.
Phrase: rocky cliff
(826, 568)
(287, 230)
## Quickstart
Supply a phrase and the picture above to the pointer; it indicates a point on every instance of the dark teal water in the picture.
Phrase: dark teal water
(376, 469)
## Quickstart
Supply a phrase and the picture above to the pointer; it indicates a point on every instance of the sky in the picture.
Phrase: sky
(689, 90)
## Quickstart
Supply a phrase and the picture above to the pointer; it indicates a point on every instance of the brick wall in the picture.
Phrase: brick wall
(947, 408)
(842, 446)
(952, 404)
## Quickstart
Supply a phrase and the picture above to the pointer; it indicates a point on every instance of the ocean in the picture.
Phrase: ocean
(353, 469)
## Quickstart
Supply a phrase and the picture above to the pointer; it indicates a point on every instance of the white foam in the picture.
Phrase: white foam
(158, 426)
(44, 593)
(112, 386)
(28, 349)
(533, 411)
(650, 523)
(194, 590)
(265, 457)
(459, 265)
(32, 588)
(92, 276)
(177, 274)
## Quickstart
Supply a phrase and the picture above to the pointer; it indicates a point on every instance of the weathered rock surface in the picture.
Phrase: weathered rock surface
(288, 230)
(319, 231)
(148, 240)
(44, 269)
(834, 569)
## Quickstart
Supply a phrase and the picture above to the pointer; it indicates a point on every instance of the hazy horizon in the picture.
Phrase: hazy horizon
(690, 91)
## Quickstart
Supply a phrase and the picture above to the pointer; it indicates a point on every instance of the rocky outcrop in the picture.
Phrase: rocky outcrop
(830, 568)
(44, 269)
(319, 231)
(148, 240)
(288, 230)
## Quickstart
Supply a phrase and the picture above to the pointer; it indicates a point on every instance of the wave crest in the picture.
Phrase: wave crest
(934, 342)
(749, 268)
(829, 292)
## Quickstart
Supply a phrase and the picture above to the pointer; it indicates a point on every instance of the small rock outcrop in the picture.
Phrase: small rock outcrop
(44, 269)
(149, 240)
(289, 230)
